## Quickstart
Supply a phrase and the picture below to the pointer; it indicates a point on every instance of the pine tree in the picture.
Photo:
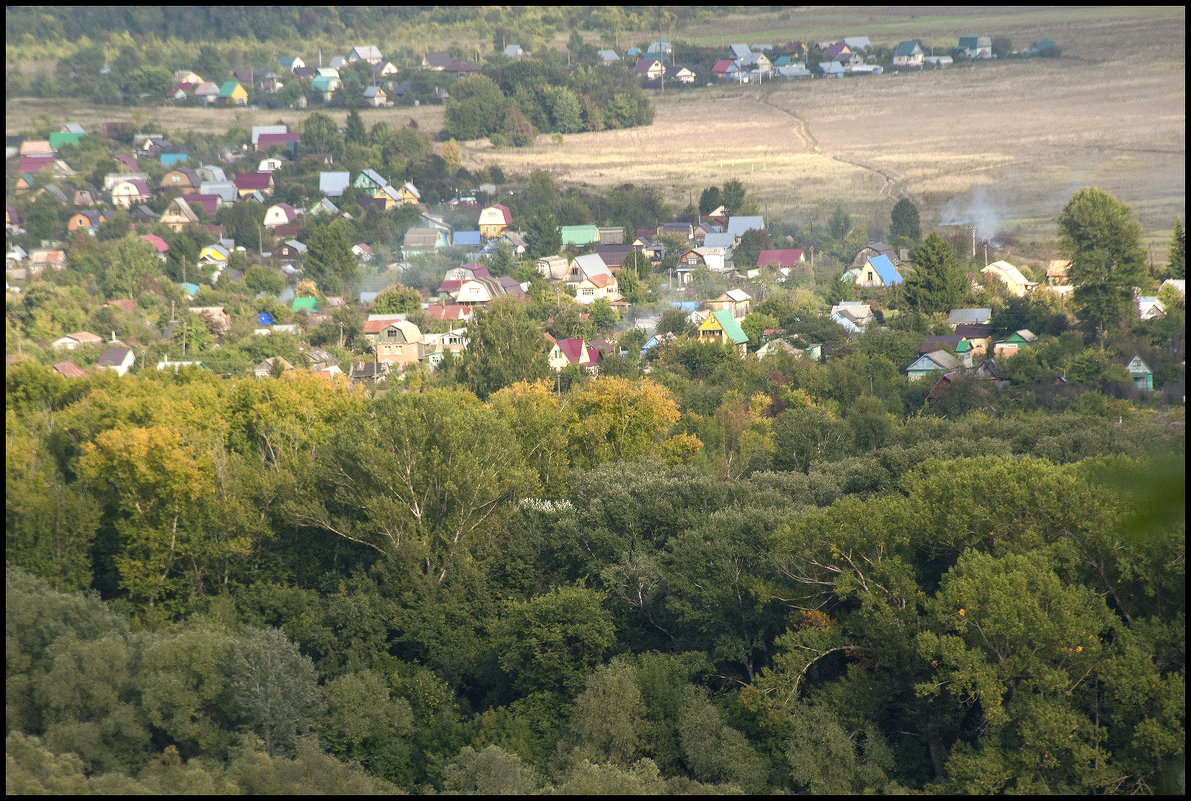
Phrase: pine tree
(1178, 251)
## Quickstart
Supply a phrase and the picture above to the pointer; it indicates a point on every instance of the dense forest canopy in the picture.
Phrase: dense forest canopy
(550, 591)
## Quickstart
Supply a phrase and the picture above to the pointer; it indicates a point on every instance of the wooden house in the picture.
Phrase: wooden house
(721, 327)
(178, 215)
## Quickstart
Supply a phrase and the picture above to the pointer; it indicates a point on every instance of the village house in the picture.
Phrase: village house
(375, 97)
(721, 328)
(736, 302)
(591, 279)
(1019, 339)
(397, 342)
(279, 214)
(878, 271)
(1142, 375)
(573, 352)
(180, 179)
(178, 215)
(908, 54)
(975, 47)
(249, 182)
(265, 369)
(87, 219)
(75, 340)
(1016, 283)
(495, 220)
(128, 192)
(231, 93)
(118, 360)
(939, 361)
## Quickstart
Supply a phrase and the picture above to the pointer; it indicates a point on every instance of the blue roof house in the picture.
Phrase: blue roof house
(878, 271)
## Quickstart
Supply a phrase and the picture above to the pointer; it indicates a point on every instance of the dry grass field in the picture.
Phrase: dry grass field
(1006, 142)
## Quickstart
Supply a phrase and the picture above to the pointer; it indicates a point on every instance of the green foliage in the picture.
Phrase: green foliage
(1102, 239)
(1178, 251)
(329, 259)
(550, 643)
(903, 221)
(397, 299)
(542, 235)
(504, 347)
(274, 686)
(937, 283)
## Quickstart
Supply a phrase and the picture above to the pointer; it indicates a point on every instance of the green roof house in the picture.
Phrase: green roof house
(975, 46)
(1142, 375)
(580, 235)
(305, 304)
(721, 327)
(233, 94)
(57, 139)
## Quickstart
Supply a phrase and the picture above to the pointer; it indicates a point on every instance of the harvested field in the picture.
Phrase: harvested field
(1008, 141)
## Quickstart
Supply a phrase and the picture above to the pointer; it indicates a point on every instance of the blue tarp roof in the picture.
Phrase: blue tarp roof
(264, 318)
(467, 238)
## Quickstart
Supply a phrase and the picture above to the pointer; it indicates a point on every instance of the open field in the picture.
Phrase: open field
(1006, 143)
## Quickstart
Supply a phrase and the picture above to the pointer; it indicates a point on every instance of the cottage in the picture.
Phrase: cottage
(75, 340)
(875, 249)
(573, 352)
(291, 63)
(369, 53)
(290, 250)
(178, 215)
(87, 219)
(608, 57)
(129, 192)
(939, 361)
(650, 68)
(1016, 283)
(738, 226)
(553, 268)
(181, 179)
(968, 316)
(1015, 342)
(721, 327)
(375, 97)
(118, 360)
(326, 85)
(438, 60)
(231, 93)
(398, 342)
(69, 369)
(333, 184)
(495, 220)
(852, 315)
(420, 240)
(266, 368)
(975, 47)
(249, 182)
(908, 54)
(1142, 375)
(831, 69)
(878, 271)
(578, 236)
(279, 214)
(779, 259)
(1150, 308)
(736, 302)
